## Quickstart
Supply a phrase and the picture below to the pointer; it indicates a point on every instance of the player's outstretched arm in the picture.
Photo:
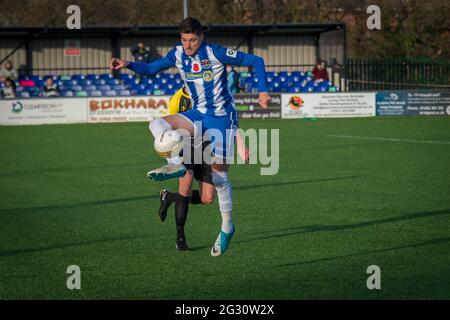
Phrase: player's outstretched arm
(145, 68)
(237, 58)
(242, 150)
(117, 64)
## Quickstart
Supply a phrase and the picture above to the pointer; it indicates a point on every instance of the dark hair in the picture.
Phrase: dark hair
(11, 81)
(191, 25)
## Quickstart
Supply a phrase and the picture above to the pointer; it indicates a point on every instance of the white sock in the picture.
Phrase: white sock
(224, 193)
(177, 160)
(227, 224)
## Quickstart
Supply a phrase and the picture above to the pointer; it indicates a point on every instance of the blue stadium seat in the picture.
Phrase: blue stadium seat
(94, 93)
(99, 82)
(125, 93)
(85, 82)
(119, 87)
(90, 88)
(20, 89)
(78, 77)
(113, 82)
(36, 78)
(106, 76)
(296, 74)
(109, 93)
(68, 83)
(67, 93)
(124, 76)
(130, 82)
(326, 84)
(320, 89)
(104, 87)
(306, 89)
(147, 92)
(24, 94)
(92, 77)
(311, 83)
(34, 93)
(75, 88)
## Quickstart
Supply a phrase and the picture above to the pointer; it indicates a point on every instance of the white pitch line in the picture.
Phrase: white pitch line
(389, 139)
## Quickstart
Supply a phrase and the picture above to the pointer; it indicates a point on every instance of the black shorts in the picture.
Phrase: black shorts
(202, 172)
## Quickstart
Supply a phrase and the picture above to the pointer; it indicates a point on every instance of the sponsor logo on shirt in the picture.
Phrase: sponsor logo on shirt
(208, 75)
(190, 76)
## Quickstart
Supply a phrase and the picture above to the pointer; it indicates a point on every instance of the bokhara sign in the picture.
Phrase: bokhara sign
(127, 109)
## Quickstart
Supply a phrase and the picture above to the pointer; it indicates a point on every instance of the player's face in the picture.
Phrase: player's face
(191, 42)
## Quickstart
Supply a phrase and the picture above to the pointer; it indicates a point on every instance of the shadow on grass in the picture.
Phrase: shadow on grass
(416, 245)
(321, 228)
(32, 210)
(15, 252)
(264, 185)
(73, 169)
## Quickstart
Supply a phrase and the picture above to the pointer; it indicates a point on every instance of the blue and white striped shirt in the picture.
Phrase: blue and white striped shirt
(204, 74)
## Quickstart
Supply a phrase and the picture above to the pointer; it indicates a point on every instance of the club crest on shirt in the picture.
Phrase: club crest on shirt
(206, 64)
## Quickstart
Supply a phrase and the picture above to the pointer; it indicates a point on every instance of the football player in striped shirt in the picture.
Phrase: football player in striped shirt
(202, 68)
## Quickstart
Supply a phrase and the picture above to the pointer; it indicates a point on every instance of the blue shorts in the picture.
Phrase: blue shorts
(221, 130)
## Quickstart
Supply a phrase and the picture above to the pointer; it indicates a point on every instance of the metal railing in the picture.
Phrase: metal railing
(397, 74)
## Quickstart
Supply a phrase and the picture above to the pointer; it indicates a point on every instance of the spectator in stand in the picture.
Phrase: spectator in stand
(50, 88)
(8, 71)
(233, 80)
(141, 53)
(320, 72)
(9, 91)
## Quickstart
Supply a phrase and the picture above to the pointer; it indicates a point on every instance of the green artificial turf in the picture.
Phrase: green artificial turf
(78, 195)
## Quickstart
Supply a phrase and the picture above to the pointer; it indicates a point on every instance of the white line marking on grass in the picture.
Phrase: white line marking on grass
(389, 139)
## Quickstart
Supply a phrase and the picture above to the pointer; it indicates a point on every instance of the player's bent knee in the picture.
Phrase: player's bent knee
(158, 126)
(207, 199)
